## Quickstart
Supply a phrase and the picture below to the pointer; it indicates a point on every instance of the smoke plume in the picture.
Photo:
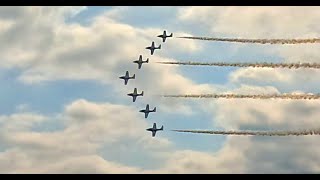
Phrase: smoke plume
(256, 65)
(256, 133)
(241, 96)
(259, 41)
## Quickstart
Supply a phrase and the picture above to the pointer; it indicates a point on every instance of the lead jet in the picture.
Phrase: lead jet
(140, 62)
(152, 47)
(127, 77)
(164, 36)
(147, 111)
(154, 129)
(135, 94)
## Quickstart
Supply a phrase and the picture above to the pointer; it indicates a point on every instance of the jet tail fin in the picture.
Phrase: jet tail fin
(161, 128)
(154, 109)
(142, 93)
(134, 76)
(159, 46)
(171, 35)
(147, 60)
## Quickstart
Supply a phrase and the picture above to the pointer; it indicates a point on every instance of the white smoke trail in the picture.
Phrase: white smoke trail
(259, 41)
(259, 65)
(240, 96)
(256, 133)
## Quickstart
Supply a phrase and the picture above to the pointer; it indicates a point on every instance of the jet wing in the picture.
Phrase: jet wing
(134, 98)
(146, 114)
(154, 133)
(125, 81)
(152, 50)
(139, 65)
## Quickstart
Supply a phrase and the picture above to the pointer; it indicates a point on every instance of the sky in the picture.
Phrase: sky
(63, 108)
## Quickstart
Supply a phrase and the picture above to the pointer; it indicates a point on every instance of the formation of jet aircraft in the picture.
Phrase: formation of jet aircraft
(135, 93)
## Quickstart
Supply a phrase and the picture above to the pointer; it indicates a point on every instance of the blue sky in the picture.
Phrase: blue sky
(89, 120)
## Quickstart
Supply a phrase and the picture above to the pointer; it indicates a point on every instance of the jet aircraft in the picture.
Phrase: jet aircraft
(147, 111)
(152, 47)
(135, 94)
(126, 77)
(164, 36)
(140, 62)
(154, 129)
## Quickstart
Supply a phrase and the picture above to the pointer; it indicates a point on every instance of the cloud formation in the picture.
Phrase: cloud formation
(87, 128)
(95, 139)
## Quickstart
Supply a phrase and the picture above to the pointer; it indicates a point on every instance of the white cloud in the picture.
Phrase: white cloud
(254, 22)
(19, 122)
(57, 50)
(265, 22)
(89, 127)
(52, 49)
(18, 161)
